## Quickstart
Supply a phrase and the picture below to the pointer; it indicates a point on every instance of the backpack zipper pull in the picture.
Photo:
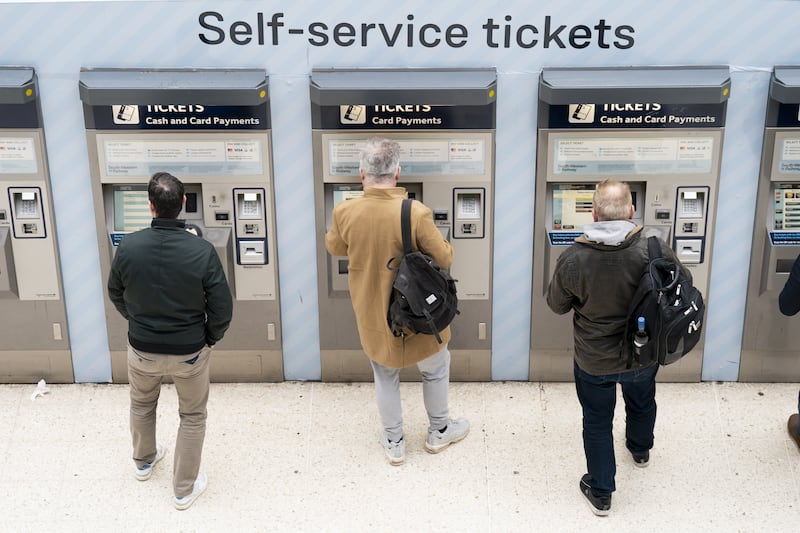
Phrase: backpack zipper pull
(677, 301)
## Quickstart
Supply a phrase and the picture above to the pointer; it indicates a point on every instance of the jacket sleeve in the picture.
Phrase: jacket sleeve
(430, 240)
(333, 239)
(559, 293)
(789, 299)
(116, 289)
(219, 302)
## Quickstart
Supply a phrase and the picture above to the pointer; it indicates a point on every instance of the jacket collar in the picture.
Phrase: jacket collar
(168, 223)
(386, 193)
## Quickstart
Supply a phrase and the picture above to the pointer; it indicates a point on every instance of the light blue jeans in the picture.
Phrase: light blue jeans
(435, 372)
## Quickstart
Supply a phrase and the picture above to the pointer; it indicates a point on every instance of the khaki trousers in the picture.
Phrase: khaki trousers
(190, 374)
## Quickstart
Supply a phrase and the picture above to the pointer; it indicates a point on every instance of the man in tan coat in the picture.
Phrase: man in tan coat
(367, 231)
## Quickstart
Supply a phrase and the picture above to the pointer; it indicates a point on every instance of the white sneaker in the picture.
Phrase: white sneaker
(455, 431)
(143, 473)
(200, 485)
(395, 451)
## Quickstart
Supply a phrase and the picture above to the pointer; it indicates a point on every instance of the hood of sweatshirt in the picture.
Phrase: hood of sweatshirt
(610, 232)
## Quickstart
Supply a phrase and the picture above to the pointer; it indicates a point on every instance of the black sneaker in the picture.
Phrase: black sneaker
(792, 426)
(600, 505)
(641, 460)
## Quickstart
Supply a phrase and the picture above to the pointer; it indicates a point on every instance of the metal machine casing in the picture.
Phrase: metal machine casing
(770, 339)
(444, 120)
(34, 341)
(658, 128)
(210, 128)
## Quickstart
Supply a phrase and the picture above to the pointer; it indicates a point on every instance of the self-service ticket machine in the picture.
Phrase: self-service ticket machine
(660, 130)
(33, 323)
(444, 121)
(211, 129)
(771, 341)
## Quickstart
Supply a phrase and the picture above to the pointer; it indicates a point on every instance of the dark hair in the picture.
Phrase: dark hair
(165, 191)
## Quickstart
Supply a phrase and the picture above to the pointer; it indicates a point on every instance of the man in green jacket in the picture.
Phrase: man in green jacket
(169, 284)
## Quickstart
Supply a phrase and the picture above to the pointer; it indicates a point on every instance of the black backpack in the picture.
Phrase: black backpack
(672, 310)
(423, 298)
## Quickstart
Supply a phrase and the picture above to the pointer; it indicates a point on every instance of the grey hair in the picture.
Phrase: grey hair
(612, 200)
(380, 159)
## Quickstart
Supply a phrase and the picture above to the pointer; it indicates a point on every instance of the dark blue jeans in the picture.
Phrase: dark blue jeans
(598, 397)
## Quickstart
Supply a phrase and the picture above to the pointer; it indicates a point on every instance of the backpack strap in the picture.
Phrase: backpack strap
(405, 229)
(405, 225)
(653, 248)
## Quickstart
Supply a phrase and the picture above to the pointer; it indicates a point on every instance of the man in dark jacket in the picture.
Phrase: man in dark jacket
(596, 278)
(170, 286)
(789, 304)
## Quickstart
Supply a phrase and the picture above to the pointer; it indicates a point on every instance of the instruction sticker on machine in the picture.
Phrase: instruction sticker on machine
(17, 156)
(657, 155)
(202, 158)
(438, 157)
(790, 156)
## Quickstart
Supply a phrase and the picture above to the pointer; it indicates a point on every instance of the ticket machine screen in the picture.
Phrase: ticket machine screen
(346, 192)
(787, 207)
(572, 206)
(131, 208)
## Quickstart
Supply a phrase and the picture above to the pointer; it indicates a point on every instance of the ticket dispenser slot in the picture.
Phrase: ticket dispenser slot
(221, 150)
(444, 121)
(608, 123)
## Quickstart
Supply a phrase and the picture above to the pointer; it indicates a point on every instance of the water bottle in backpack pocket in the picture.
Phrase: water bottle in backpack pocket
(642, 349)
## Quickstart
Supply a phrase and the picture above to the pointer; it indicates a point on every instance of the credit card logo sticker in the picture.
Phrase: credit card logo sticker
(125, 114)
(581, 113)
(352, 114)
